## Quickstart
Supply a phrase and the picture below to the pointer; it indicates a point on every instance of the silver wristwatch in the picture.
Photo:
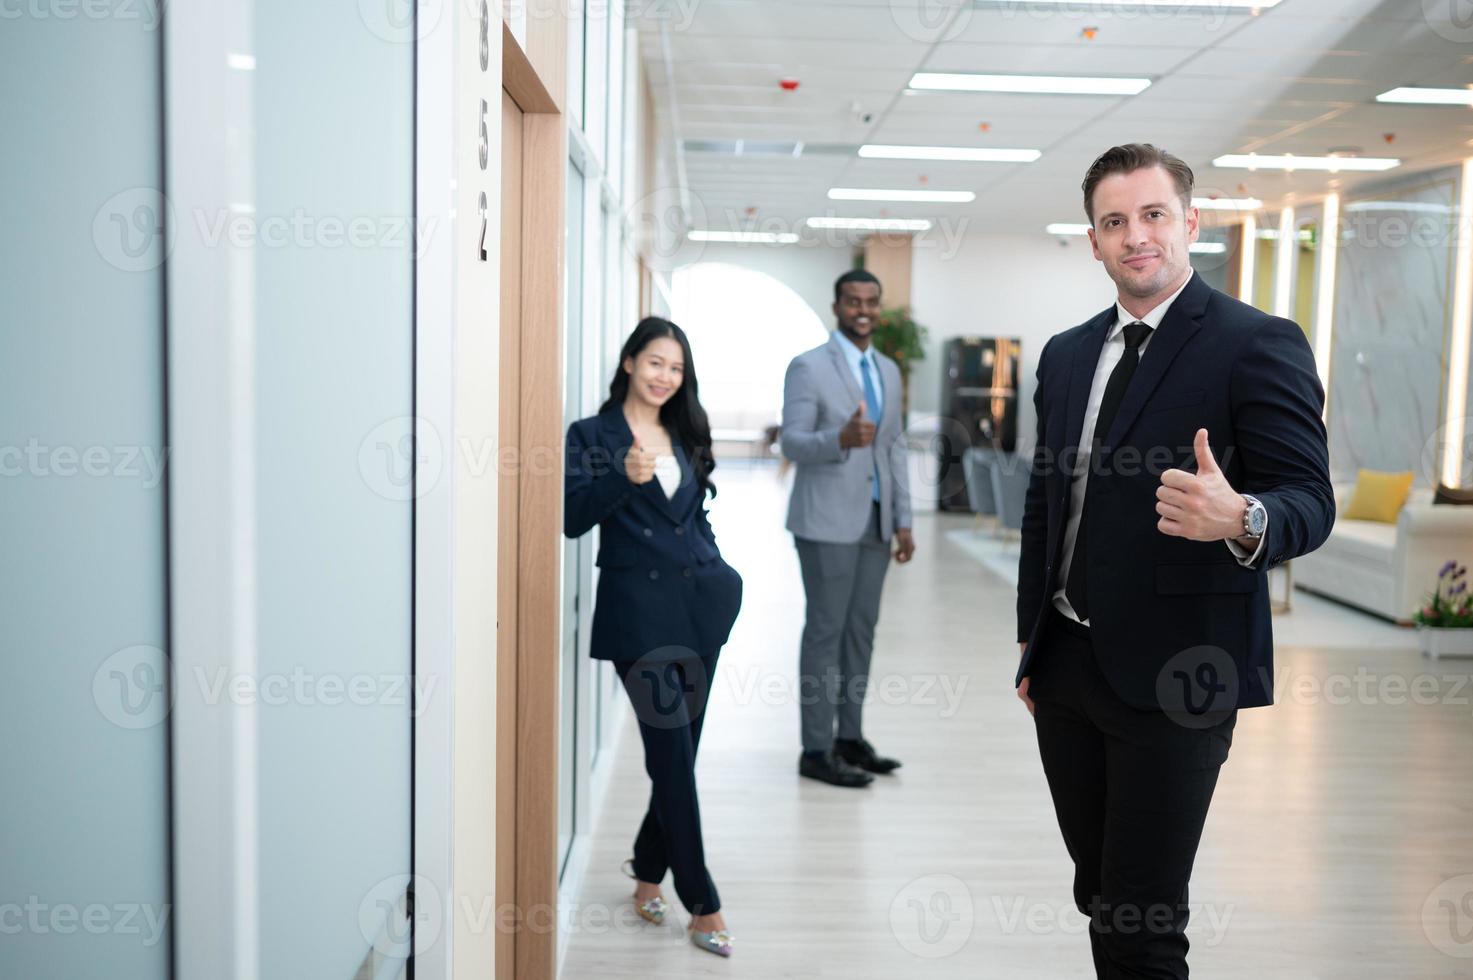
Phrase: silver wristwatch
(1255, 518)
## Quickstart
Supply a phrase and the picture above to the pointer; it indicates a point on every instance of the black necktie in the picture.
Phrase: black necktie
(1076, 590)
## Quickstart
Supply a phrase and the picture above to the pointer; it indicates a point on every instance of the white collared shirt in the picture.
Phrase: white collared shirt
(1110, 355)
(853, 356)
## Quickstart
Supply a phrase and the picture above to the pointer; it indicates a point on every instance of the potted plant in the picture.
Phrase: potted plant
(899, 337)
(1445, 623)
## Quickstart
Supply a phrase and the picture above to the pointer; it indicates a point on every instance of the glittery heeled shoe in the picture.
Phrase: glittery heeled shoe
(652, 909)
(718, 942)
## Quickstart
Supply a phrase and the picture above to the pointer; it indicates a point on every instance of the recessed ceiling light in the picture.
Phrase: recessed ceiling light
(1063, 228)
(878, 194)
(872, 224)
(1414, 95)
(1207, 248)
(240, 62)
(1033, 84)
(745, 237)
(1226, 203)
(971, 153)
(1259, 161)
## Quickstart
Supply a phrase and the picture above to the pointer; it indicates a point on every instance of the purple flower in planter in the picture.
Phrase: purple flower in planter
(1446, 568)
(1459, 589)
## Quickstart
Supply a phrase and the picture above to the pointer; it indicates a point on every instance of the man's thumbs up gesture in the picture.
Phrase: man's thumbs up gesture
(1200, 506)
(858, 431)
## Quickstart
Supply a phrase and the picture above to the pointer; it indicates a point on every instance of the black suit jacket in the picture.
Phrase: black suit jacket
(1160, 606)
(664, 591)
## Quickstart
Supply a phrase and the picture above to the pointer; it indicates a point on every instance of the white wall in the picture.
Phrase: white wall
(809, 269)
(1025, 286)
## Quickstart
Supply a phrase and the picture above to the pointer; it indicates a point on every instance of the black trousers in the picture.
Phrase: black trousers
(669, 699)
(1131, 790)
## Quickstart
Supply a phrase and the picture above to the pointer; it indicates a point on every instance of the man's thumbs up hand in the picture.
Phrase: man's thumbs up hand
(1205, 461)
(1200, 506)
(858, 431)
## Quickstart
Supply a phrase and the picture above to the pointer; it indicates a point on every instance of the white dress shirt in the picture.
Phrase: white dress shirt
(1110, 356)
(854, 357)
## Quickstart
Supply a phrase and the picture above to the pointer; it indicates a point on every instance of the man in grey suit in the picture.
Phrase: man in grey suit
(851, 498)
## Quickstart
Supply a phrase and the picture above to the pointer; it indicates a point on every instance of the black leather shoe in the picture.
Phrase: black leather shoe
(862, 754)
(831, 769)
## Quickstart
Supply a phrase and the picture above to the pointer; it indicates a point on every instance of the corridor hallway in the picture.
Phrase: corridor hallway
(1334, 820)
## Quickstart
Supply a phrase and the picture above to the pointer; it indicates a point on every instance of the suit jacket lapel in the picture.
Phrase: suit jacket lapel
(622, 439)
(1181, 322)
(1081, 376)
(841, 365)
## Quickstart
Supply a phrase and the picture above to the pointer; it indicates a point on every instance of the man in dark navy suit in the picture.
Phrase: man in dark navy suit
(1180, 455)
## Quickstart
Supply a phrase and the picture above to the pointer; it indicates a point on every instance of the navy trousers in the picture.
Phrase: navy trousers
(669, 699)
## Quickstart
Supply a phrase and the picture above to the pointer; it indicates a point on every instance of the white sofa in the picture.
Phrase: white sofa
(1387, 569)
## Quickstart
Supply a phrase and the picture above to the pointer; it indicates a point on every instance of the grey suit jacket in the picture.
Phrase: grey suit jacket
(831, 489)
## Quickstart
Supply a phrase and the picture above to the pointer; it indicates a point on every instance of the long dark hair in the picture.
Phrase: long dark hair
(682, 414)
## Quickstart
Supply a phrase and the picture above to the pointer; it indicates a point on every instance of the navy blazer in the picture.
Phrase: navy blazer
(664, 591)
(1156, 600)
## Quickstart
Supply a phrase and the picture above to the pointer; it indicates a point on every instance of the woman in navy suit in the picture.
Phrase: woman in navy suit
(666, 601)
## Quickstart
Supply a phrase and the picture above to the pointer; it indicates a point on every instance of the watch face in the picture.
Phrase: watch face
(1257, 518)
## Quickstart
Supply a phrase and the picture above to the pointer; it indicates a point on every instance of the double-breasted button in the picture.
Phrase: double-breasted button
(680, 530)
(686, 572)
(654, 573)
(648, 533)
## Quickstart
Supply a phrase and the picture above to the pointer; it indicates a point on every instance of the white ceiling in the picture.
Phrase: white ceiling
(1298, 78)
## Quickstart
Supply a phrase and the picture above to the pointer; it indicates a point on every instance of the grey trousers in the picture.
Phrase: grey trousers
(842, 583)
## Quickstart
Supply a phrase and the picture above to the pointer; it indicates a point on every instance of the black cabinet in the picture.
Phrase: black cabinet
(979, 406)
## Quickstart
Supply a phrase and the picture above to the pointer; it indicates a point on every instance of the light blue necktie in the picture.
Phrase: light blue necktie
(872, 406)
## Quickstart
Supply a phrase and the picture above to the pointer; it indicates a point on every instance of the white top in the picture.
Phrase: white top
(667, 471)
(1110, 356)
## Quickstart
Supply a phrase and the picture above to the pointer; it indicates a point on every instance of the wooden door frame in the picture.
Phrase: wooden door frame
(528, 664)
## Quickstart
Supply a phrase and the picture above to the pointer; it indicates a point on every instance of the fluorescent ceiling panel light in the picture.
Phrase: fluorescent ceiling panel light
(745, 237)
(1028, 84)
(1259, 161)
(1083, 5)
(1226, 203)
(872, 224)
(879, 194)
(1426, 207)
(1207, 248)
(1412, 95)
(1063, 228)
(970, 153)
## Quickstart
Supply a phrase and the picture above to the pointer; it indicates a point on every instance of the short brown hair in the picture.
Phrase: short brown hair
(1130, 158)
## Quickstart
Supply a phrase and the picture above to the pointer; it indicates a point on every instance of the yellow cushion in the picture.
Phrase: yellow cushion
(1378, 496)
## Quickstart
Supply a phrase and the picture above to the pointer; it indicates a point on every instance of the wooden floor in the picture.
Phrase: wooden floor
(1340, 844)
